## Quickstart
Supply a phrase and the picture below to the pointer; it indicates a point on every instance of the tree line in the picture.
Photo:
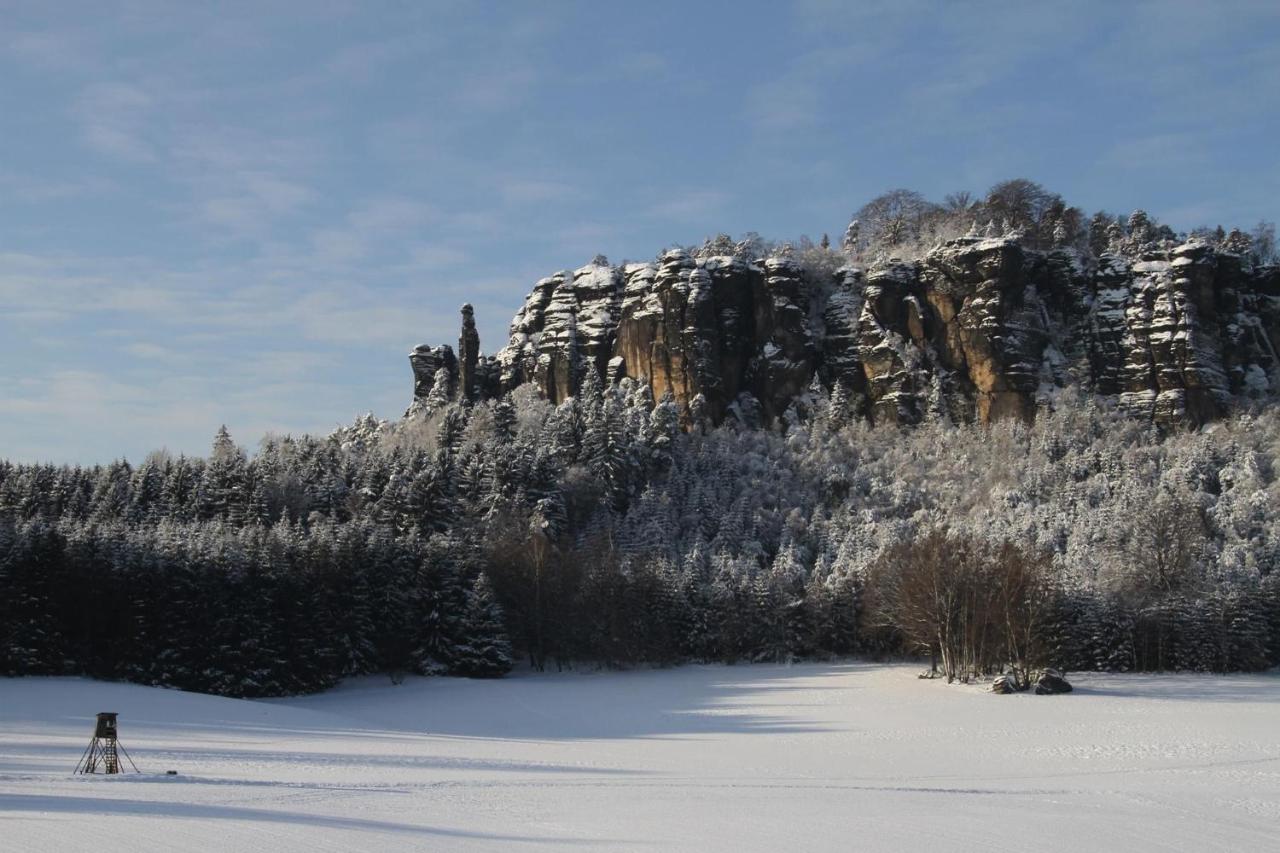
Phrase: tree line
(598, 532)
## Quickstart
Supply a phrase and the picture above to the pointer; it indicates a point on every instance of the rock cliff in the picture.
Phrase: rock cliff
(976, 329)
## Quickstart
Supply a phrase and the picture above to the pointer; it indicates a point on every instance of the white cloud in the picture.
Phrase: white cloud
(1159, 151)
(517, 191)
(149, 351)
(430, 257)
(363, 61)
(45, 51)
(373, 226)
(214, 151)
(787, 104)
(339, 245)
(390, 215)
(86, 416)
(35, 190)
(261, 199)
(691, 205)
(494, 90)
(112, 116)
(645, 64)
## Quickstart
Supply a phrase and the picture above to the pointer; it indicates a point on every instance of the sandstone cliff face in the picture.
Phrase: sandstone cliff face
(568, 321)
(426, 361)
(977, 329)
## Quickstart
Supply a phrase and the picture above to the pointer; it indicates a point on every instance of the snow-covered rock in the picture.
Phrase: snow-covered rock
(1006, 684)
(1051, 683)
(975, 329)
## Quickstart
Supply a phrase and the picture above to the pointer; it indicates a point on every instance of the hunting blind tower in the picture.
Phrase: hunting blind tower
(105, 748)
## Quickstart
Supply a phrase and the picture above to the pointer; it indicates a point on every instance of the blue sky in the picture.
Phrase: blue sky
(250, 212)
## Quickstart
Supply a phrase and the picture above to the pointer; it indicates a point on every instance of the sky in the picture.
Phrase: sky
(249, 213)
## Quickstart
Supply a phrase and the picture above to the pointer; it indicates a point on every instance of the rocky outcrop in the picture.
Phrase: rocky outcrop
(468, 354)
(784, 336)
(568, 321)
(892, 362)
(426, 362)
(688, 326)
(976, 329)
(994, 326)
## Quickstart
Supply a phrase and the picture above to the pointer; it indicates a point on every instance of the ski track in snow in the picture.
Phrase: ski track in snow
(701, 758)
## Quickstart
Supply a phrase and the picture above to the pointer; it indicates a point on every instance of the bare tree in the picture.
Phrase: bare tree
(958, 202)
(976, 607)
(894, 218)
(1164, 545)
(1264, 243)
(1024, 597)
(1022, 202)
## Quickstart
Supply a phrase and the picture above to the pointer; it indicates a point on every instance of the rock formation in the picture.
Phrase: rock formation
(976, 329)
(468, 353)
(426, 362)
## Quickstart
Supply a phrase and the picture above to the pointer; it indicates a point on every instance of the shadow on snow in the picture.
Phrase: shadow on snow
(197, 811)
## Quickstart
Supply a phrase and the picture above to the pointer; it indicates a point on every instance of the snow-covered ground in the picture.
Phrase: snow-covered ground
(709, 758)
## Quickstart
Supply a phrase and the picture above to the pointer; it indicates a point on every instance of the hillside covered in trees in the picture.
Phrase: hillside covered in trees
(652, 472)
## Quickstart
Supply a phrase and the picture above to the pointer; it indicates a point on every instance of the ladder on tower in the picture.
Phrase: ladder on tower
(104, 749)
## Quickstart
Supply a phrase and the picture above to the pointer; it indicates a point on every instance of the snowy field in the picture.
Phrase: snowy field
(710, 758)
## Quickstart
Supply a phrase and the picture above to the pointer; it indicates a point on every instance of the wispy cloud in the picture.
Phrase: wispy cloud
(785, 105)
(25, 188)
(425, 256)
(112, 117)
(496, 89)
(521, 190)
(1160, 151)
(698, 205)
(43, 51)
(259, 199)
(644, 64)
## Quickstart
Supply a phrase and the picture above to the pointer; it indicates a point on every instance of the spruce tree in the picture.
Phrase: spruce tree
(485, 650)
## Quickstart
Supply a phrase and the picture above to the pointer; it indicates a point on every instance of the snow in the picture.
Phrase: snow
(724, 262)
(703, 758)
(990, 244)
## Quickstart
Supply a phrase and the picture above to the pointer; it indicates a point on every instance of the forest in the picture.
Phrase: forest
(598, 533)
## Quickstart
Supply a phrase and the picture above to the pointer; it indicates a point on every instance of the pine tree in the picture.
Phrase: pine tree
(663, 427)
(436, 603)
(485, 651)
(219, 494)
(851, 242)
(1141, 230)
(504, 419)
(1237, 243)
